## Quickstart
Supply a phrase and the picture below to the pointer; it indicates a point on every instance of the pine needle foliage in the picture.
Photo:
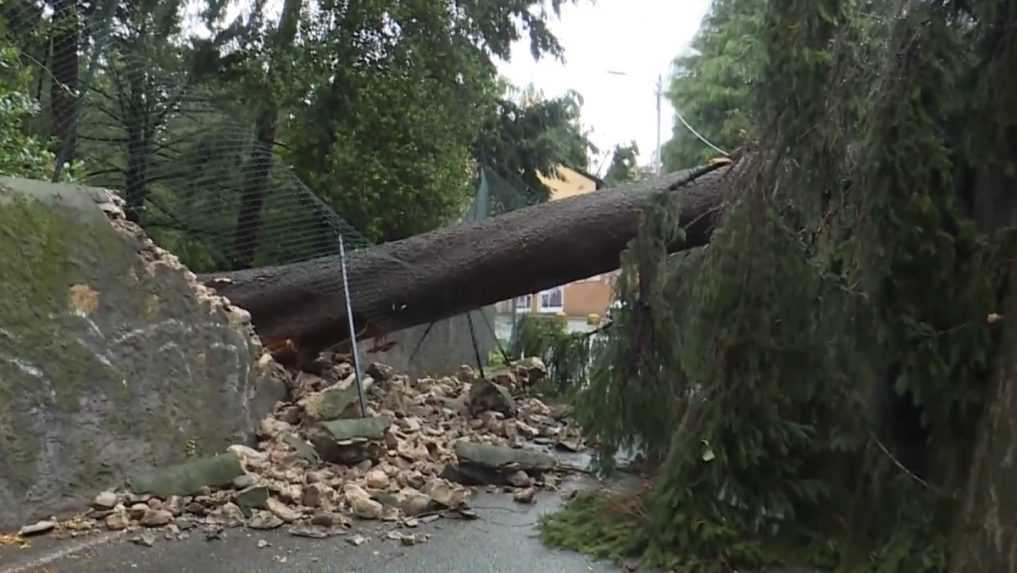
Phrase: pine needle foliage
(812, 385)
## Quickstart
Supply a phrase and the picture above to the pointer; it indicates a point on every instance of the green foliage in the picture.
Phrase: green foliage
(383, 108)
(623, 167)
(819, 398)
(521, 141)
(21, 153)
(592, 524)
(712, 86)
(565, 354)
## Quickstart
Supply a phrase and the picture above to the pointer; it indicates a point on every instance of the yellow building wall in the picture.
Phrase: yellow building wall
(571, 183)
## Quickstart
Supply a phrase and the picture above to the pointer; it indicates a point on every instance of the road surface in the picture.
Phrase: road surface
(503, 539)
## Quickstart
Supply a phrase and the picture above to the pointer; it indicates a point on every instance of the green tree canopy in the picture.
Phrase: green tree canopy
(623, 167)
(712, 85)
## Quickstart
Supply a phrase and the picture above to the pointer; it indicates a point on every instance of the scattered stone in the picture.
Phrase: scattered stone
(349, 442)
(232, 513)
(407, 539)
(188, 478)
(263, 544)
(380, 372)
(156, 518)
(410, 457)
(357, 540)
(282, 511)
(520, 479)
(467, 514)
(144, 539)
(264, 520)
(315, 495)
(500, 457)
(525, 496)
(377, 479)
(328, 519)
(244, 481)
(339, 401)
(290, 414)
(105, 500)
(366, 508)
(411, 424)
(255, 497)
(133, 498)
(369, 428)
(466, 373)
(533, 368)
(247, 454)
(505, 379)
(172, 505)
(414, 502)
(37, 528)
(445, 495)
(303, 449)
(486, 395)
(117, 521)
(413, 450)
(311, 532)
(569, 445)
(389, 513)
(138, 510)
(527, 431)
(361, 503)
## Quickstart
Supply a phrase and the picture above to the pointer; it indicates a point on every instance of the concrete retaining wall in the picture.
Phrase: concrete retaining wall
(447, 346)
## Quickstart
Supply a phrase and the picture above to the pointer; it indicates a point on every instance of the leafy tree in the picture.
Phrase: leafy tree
(531, 137)
(407, 101)
(623, 167)
(712, 85)
(21, 154)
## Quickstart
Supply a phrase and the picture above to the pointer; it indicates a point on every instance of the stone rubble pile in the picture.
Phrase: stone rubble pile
(320, 467)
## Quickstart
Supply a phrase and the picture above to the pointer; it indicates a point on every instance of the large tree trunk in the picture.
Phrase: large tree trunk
(985, 538)
(446, 272)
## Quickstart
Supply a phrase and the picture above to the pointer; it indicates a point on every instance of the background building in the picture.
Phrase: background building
(584, 302)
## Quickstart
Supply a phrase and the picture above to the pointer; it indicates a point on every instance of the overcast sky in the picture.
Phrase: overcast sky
(638, 37)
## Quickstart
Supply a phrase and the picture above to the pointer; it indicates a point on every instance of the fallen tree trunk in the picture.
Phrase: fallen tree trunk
(450, 271)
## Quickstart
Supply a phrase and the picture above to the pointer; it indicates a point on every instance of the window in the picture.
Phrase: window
(523, 303)
(552, 300)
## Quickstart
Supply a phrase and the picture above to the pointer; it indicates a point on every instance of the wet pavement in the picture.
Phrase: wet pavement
(504, 538)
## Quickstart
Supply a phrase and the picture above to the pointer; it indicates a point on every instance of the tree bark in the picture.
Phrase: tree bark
(446, 272)
(259, 170)
(63, 92)
(985, 535)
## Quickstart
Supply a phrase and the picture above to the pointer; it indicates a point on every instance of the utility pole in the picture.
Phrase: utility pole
(658, 165)
(660, 89)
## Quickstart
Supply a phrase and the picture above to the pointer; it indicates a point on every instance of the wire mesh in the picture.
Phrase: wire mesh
(125, 112)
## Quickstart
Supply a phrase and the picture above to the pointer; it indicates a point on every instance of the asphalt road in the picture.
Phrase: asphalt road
(503, 539)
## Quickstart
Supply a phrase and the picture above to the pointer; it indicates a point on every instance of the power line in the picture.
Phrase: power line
(696, 133)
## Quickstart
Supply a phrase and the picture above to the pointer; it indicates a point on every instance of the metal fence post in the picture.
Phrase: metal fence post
(352, 327)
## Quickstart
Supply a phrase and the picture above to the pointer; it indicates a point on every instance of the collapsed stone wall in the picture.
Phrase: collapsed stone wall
(113, 358)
